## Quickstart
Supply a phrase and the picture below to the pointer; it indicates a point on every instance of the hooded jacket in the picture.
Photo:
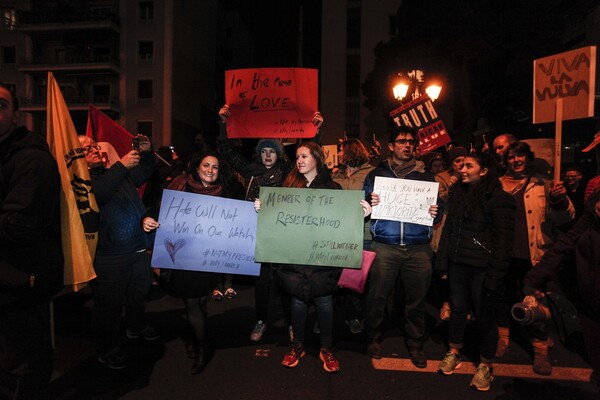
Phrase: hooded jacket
(30, 238)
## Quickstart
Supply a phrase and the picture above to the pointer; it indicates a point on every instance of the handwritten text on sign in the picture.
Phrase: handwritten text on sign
(404, 200)
(421, 115)
(310, 226)
(271, 102)
(569, 76)
(205, 233)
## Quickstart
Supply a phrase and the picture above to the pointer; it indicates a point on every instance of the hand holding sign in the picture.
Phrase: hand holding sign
(405, 200)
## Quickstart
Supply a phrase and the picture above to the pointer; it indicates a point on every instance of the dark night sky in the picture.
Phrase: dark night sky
(274, 26)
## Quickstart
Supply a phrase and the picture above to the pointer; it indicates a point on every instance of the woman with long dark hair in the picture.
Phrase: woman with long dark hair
(475, 250)
(204, 176)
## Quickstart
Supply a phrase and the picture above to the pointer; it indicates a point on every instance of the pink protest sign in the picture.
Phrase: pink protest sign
(271, 102)
(420, 114)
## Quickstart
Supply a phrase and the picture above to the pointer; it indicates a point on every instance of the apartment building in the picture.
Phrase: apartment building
(154, 66)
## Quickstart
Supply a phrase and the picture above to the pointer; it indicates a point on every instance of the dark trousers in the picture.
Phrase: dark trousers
(121, 280)
(266, 292)
(511, 293)
(412, 265)
(324, 309)
(25, 350)
(466, 293)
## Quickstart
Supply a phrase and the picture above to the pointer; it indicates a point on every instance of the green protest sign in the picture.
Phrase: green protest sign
(310, 226)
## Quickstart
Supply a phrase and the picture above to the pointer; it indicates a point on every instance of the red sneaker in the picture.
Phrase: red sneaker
(292, 358)
(330, 363)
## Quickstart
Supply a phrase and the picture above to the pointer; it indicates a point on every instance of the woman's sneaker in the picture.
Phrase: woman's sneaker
(230, 293)
(482, 378)
(148, 333)
(450, 362)
(330, 363)
(292, 357)
(114, 360)
(217, 295)
(257, 332)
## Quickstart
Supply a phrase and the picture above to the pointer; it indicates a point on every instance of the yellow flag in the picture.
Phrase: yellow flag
(79, 211)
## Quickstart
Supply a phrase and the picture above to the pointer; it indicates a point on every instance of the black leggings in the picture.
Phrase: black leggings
(195, 309)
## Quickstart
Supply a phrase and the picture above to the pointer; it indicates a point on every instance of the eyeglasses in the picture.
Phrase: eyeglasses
(402, 142)
(88, 149)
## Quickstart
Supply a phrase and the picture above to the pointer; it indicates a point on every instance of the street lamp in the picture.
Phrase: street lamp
(416, 77)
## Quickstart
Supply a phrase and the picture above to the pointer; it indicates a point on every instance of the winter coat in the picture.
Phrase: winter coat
(394, 232)
(255, 174)
(541, 215)
(308, 281)
(30, 238)
(121, 208)
(584, 239)
(479, 233)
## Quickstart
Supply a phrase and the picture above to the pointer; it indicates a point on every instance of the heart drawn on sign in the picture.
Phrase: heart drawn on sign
(173, 248)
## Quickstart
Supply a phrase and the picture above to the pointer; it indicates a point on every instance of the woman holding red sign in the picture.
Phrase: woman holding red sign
(269, 168)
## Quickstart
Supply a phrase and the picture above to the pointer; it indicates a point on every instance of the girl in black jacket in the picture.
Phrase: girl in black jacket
(475, 250)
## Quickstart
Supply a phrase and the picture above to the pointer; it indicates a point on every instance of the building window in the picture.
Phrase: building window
(147, 10)
(145, 90)
(101, 93)
(146, 51)
(144, 127)
(9, 18)
(9, 55)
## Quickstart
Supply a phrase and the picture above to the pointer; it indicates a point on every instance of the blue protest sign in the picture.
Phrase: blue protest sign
(205, 233)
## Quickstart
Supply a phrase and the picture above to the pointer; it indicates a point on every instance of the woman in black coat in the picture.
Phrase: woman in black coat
(306, 283)
(475, 250)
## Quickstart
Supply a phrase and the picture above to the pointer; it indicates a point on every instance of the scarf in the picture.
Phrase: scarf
(191, 183)
(513, 183)
(406, 168)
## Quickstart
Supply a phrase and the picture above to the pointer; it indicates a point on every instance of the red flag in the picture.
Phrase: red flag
(102, 128)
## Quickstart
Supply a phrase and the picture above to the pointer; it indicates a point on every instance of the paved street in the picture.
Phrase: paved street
(245, 370)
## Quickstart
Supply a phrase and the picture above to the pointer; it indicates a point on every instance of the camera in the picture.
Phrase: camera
(529, 311)
(135, 143)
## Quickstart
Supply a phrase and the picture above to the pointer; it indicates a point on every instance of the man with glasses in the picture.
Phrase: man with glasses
(403, 252)
(121, 264)
(31, 258)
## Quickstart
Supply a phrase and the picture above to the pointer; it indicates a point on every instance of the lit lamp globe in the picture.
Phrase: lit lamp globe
(400, 90)
(433, 91)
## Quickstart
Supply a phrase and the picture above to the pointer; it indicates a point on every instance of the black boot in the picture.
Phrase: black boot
(205, 353)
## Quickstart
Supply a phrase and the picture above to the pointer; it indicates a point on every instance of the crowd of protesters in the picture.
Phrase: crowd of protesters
(496, 221)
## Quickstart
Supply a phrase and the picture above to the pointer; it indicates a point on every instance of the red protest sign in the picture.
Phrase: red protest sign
(271, 102)
(420, 114)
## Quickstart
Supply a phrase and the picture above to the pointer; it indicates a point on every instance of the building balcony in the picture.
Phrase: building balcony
(56, 21)
(74, 103)
(75, 64)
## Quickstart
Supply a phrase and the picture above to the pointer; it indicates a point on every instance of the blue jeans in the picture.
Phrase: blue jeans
(324, 308)
(466, 293)
(122, 279)
(412, 265)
